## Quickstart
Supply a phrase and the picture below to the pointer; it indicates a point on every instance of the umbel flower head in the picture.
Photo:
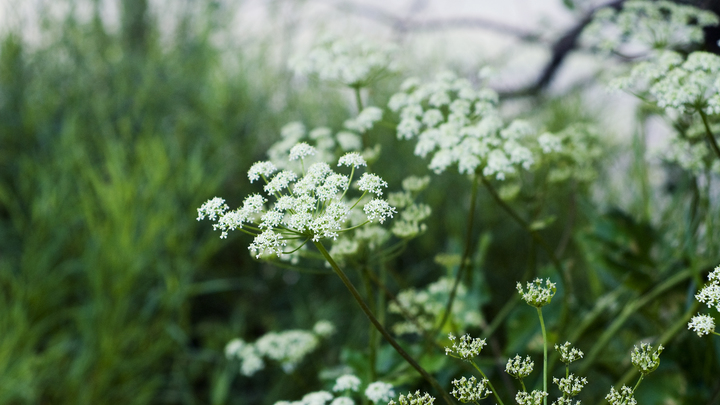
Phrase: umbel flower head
(533, 398)
(622, 397)
(379, 391)
(470, 390)
(537, 294)
(466, 349)
(568, 354)
(307, 205)
(353, 62)
(645, 358)
(571, 385)
(414, 399)
(460, 125)
(702, 324)
(519, 368)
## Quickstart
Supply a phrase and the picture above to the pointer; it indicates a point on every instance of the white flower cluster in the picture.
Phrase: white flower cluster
(653, 24)
(379, 391)
(346, 382)
(622, 397)
(470, 390)
(572, 153)
(533, 398)
(519, 368)
(321, 138)
(709, 295)
(571, 385)
(678, 84)
(568, 354)
(414, 399)
(645, 358)
(307, 206)
(319, 398)
(427, 306)
(459, 124)
(288, 348)
(352, 62)
(466, 349)
(537, 295)
(365, 120)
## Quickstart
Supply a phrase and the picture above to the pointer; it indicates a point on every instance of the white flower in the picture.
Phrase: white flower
(365, 120)
(287, 347)
(470, 390)
(264, 169)
(301, 150)
(371, 183)
(317, 398)
(379, 209)
(568, 354)
(324, 328)
(233, 348)
(352, 159)
(347, 382)
(467, 348)
(534, 398)
(280, 182)
(414, 399)
(379, 391)
(230, 221)
(537, 295)
(519, 368)
(702, 324)
(623, 397)
(268, 242)
(549, 143)
(212, 209)
(342, 401)
(710, 293)
(645, 358)
(570, 385)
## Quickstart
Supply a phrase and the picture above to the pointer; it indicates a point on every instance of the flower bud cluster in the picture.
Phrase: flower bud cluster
(571, 385)
(535, 397)
(414, 399)
(622, 397)
(537, 295)
(519, 368)
(466, 348)
(645, 358)
(470, 390)
(568, 354)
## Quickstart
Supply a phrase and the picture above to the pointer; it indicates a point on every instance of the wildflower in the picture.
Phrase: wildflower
(379, 209)
(466, 349)
(414, 183)
(287, 347)
(347, 382)
(212, 209)
(702, 324)
(470, 390)
(571, 385)
(379, 391)
(324, 328)
(537, 295)
(352, 62)
(534, 398)
(645, 358)
(342, 401)
(414, 399)
(261, 169)
(317, 398)
(301, 150)
(365, 120)
(519, 368)
(568, 354)
(622, 397)
(371, 183)
(352, 159)
(710, 293)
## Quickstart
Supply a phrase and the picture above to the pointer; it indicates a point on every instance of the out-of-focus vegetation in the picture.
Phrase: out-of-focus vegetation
(111, 292)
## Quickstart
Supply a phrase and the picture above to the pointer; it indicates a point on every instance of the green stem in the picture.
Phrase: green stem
(545, 352)
(430, 379)
(708, 133)
(465, 257)
(494, 391)
(372, 332)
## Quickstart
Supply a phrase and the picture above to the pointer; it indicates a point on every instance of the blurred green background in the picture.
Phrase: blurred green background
(111, 292)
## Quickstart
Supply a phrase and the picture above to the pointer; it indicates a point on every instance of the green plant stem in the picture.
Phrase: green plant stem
(464, 262)
(535, 235)
(708, 133)
(494, 391)
(545, 352)
(627, 311)
(354, 292)
(372, 332)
